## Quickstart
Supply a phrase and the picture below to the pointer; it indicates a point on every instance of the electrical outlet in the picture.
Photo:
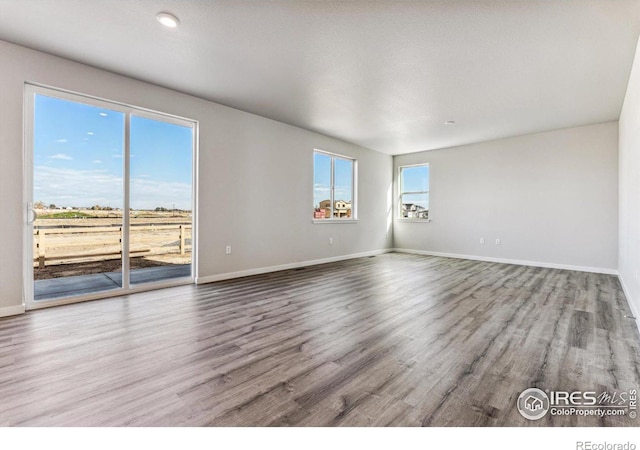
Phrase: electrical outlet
(498, 242)
(482, 241)
(228, 250)
(330, 240)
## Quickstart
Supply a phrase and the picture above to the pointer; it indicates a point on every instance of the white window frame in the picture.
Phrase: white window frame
(401, 193)
(354, 187)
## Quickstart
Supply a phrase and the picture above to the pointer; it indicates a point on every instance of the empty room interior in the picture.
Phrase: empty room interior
(324, 213)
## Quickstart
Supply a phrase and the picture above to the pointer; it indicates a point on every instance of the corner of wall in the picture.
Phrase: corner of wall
(628, 186)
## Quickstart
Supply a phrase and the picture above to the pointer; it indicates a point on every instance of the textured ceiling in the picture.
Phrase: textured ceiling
(382, 74)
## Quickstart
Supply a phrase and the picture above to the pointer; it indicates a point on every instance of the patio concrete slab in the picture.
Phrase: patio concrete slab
(56, 288)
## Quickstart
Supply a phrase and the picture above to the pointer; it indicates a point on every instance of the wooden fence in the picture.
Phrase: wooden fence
(100, 243)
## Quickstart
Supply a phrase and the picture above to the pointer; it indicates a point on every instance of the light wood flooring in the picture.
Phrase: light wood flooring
(391, 340)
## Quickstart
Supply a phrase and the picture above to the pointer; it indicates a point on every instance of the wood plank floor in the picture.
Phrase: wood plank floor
(392, 340)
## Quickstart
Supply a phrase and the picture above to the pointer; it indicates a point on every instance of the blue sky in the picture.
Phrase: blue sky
(78, 158)
(415, 179)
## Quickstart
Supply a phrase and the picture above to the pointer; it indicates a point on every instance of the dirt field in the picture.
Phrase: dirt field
(90, 243)
(113, 265)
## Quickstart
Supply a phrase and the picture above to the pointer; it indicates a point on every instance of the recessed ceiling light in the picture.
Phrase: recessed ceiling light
(450, 122)
(168, 20)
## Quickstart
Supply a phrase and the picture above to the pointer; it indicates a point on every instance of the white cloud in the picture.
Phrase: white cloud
(61, 141)
(322, 192)
(90, 133)
(116, 156)
(71, 187)
(60, 156)
(96, 161)
(343, 193)
(149, 194)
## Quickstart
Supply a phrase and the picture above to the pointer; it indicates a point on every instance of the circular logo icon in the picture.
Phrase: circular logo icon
(533, 404)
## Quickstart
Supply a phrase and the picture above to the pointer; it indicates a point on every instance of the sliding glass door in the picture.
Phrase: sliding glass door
(109, 195)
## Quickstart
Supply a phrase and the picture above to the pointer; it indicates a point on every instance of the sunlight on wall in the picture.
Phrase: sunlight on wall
(389, 209)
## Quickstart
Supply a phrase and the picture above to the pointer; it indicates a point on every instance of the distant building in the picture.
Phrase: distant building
(341, 208)
(325, 205)
(413, 211)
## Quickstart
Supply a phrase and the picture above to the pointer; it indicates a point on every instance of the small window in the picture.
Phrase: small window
(333, 187)
(414, 192)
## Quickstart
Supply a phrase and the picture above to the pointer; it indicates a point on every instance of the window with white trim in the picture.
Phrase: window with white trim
(414, 192)
(333, 187)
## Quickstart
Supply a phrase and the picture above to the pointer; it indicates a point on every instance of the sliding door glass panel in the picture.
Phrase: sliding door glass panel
(78, 154)
(161, 200)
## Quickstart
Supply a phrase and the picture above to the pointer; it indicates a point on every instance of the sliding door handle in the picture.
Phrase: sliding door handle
(32, 215)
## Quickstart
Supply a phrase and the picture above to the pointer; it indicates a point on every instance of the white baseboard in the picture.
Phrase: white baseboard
(269, 269)
(632, 306)
(510, 261)
(12, 310)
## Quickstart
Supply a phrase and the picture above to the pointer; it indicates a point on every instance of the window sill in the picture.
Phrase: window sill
(335, 221)
(403, 219)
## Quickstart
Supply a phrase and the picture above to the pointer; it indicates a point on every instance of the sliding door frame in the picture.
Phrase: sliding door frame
(30, 92)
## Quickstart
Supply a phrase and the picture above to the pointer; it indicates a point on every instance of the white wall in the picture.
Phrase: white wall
(550, 197)
(629, 187)
(256, 176)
